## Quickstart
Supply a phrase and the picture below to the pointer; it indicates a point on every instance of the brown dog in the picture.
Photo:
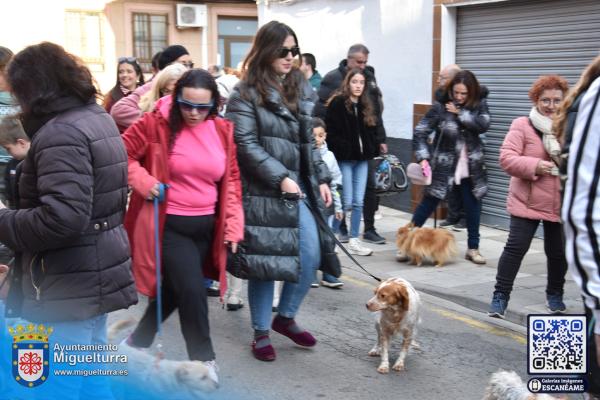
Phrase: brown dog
(398, 305)
(417, 244)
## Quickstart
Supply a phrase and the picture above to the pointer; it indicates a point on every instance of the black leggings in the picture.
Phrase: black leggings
(519, 239)
(186, 243)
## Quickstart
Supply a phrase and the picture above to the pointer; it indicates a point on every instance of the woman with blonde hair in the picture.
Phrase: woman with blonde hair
(164, 84)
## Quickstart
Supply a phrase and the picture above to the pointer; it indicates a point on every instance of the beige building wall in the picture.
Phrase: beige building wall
(47, 22)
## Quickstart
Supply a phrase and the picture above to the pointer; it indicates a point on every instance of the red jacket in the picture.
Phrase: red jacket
(529, 195)
(147, 151)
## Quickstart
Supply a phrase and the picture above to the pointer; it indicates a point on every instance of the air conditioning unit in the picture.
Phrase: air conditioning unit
(191, 16)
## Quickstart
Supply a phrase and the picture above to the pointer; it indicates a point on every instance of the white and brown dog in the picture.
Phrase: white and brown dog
(398, 305)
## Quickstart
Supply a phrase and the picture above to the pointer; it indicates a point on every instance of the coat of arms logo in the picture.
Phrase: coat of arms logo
(30, 354)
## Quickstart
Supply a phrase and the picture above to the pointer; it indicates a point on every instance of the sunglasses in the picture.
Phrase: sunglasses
(188, 64)
(127, 60)
(283, 51)
(189, 106)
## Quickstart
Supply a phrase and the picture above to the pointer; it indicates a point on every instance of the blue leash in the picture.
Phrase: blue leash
(157, 201)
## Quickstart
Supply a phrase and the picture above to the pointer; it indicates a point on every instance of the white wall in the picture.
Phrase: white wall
(399, 34)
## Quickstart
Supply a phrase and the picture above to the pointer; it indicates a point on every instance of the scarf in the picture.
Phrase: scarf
(544, 125)
(126, 92)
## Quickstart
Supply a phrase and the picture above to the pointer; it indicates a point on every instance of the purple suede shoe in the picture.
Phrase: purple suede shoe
(303, 338)
(264, 353)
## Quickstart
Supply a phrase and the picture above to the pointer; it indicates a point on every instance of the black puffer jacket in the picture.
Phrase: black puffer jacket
(273, 144)
(333, 81)
(347, 135)
(73, 194)
(456, 132)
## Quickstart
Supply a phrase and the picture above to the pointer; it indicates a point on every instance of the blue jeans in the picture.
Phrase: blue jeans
(354, 181)
(260, 293)
(472, 208)
(90, 331)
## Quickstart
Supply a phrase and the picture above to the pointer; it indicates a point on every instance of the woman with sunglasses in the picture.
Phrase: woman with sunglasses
(530, 154)
(285, 185)
(129, 77)
(184, 144)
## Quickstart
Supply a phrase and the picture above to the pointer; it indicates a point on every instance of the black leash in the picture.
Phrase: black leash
(327, 229)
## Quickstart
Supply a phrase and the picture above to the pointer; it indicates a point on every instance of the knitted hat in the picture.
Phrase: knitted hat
(171, 54)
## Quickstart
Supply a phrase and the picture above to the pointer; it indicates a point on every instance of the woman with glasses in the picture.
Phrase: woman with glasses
(285, 185)
(129, 77)
(530, 154)
(185, 145)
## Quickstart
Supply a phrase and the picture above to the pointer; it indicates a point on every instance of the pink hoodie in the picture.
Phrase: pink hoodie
(529, 195)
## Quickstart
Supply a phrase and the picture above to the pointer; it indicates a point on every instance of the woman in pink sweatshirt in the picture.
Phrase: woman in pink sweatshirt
(530, 155)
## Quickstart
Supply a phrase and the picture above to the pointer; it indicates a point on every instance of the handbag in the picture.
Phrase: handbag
(415, 172)
(390, 175)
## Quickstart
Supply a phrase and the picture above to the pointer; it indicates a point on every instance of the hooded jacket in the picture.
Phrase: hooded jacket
(147, 143)
(274, 144)
(75, 261)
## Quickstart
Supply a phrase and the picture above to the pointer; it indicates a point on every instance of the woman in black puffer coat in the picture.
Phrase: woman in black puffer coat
(458, 120)
(74, 265)
(284, 184)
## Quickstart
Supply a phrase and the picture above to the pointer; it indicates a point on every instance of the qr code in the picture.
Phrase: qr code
(556, 344)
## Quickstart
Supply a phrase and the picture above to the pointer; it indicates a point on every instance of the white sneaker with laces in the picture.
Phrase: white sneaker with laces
(356, 247)
(213, 368)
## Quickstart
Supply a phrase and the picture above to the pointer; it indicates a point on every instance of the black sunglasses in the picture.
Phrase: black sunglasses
(188, 64)
(283, 51)
(127, 60)
(189, 106)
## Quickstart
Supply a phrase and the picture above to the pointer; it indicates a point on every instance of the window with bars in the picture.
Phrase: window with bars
(149, 37)
(84, 37)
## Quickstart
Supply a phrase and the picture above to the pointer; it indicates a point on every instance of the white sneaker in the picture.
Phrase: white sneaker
(355, 247)
(213, 368)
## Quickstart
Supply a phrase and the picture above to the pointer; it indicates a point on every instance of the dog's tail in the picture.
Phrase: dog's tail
(118, 327)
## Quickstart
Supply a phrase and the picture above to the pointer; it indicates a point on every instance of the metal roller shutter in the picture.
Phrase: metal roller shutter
(508, 45)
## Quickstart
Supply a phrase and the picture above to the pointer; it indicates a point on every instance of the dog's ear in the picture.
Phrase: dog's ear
(402, 295)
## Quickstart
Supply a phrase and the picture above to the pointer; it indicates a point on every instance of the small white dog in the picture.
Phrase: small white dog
(507, 385)
(163, 376)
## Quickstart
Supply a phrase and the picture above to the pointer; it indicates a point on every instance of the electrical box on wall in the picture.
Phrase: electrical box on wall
(191, 15)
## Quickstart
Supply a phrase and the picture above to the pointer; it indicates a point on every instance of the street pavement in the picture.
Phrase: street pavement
(463, 282)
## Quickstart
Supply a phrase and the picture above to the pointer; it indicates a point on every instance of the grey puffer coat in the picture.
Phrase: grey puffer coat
(75, 261)
(456, 132)
(273, 144)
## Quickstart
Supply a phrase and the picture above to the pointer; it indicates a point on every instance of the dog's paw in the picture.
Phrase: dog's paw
(374, 352)
(383, 369)
(398, 367)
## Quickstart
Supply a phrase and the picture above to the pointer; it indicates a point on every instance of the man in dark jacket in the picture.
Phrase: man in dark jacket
(358, 56)
(309, 69)
(75, 264)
